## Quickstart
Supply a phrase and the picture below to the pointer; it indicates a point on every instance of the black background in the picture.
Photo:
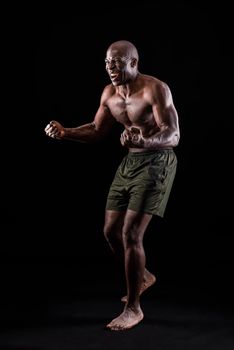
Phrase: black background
(53, 192)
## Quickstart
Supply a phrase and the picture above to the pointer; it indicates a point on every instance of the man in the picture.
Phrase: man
(142, 184)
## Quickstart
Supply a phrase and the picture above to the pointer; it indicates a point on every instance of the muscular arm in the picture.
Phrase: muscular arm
(86, 133)
(166, 118)
(93, 131)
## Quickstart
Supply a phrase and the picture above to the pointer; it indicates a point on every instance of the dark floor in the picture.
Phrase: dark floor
(62, 303)
(174, 319)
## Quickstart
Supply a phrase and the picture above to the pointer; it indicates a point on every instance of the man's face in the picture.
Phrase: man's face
(117, 66)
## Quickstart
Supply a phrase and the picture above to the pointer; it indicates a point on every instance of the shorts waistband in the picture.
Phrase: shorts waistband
(149, 152)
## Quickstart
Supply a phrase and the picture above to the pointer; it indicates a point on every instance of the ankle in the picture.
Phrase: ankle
(135, 307)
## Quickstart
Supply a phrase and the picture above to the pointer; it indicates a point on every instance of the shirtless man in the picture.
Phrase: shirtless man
(142, 184)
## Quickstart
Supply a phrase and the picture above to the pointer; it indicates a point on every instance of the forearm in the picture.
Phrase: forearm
(162, 139)
(85, 133)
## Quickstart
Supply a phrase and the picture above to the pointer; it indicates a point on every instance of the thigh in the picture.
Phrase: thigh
(136, 222)
(114, 219)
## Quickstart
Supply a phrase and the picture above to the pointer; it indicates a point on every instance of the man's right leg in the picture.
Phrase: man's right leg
(113, 227)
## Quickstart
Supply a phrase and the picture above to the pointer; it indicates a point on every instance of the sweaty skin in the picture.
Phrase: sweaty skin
(144, 106)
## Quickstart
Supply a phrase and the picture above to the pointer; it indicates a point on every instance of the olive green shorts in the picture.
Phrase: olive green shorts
(143, 182)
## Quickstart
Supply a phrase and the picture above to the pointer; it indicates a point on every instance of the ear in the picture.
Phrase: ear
(133, 62)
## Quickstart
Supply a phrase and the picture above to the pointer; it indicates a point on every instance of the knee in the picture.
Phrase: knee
(106, 231)
(131, 237)
(109, 231)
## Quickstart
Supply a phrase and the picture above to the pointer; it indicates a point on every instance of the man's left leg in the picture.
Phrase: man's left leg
(134, 228)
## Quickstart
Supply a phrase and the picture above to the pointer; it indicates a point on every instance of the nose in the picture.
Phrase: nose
(110, 65)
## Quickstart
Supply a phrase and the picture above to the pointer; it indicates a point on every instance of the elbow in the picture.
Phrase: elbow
(175, 139)
(96, 134)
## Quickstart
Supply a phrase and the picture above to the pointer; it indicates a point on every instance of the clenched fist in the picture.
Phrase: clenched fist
(55, 130)
(132, 137)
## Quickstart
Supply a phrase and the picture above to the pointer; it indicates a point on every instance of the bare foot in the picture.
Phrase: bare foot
(149, 280)
(128, 319)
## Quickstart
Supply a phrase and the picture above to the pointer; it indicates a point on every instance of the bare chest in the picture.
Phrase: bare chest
(129, 110)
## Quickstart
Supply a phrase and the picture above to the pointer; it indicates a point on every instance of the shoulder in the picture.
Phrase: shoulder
(155, 83)
(107, 93)
(155, 88)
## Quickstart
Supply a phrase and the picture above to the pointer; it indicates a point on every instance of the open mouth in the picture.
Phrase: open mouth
(114, 76)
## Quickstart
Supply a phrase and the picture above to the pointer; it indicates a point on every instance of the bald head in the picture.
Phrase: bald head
(122, 62)
(124, 48)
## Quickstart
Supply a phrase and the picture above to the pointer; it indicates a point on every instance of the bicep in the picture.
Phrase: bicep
(103, 119)
(164, 111)
(166, 117)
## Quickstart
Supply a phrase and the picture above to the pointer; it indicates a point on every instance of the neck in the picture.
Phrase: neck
(128, 88)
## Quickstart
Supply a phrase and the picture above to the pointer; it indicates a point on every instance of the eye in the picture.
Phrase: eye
(116, 61)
